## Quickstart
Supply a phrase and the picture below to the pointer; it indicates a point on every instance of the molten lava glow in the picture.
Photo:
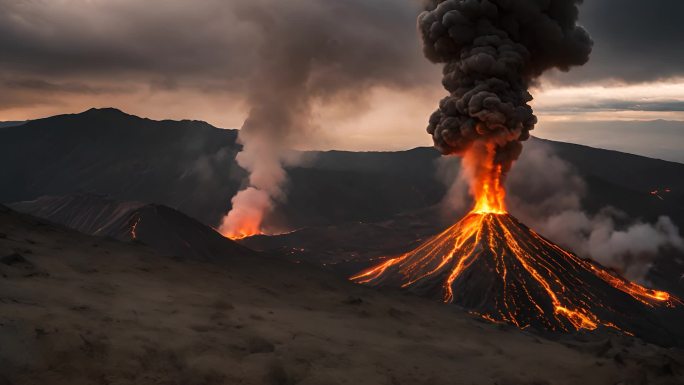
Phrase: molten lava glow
(528, 280)
(485, 178)
(490, 197)
(246, 217)
(242, 233)
(134, 228)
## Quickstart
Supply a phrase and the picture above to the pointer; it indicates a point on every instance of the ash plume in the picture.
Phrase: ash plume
(492, 51)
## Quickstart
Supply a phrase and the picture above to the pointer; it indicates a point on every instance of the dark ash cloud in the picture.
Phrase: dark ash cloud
(493, 51)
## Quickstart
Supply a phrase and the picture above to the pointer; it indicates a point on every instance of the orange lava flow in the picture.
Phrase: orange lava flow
(134, 228)
(245, 231)
(505, 272)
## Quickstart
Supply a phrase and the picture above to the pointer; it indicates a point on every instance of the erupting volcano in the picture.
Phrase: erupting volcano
(489, 262)
(495, 266)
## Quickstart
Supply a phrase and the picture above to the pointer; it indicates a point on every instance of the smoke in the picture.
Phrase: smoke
(546, 192)
(492, 51)
(307, 52)
(279, 117)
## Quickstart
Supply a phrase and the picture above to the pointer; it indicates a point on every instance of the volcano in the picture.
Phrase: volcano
(504, 272)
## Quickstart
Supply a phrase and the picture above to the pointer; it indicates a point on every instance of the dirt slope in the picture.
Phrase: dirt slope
(76, 309)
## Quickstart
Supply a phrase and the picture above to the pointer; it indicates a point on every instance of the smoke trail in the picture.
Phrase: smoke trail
(492, 51)
(280, 110)
(546, 192)
(308, 52)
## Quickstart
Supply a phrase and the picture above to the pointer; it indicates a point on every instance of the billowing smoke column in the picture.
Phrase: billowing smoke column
(303, 54)
(280, 112)
(493, 51)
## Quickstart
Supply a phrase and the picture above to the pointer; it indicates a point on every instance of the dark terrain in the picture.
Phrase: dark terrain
(78, 309)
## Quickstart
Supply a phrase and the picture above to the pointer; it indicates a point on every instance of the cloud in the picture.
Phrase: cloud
(206, 43)
(635, 41)
(50, 87)
(546, 193)
(194, 59)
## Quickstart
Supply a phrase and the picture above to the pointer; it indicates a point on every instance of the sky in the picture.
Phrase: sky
(369, 84)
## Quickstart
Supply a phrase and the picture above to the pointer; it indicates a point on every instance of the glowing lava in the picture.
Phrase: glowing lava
(488, 191)
(504, 272)
(134, 228)
(246, 217)
(242, 232)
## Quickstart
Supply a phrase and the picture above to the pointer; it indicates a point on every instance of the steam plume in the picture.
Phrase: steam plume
(493, 50)
(547, 193)
(307, 53)
(279, 109)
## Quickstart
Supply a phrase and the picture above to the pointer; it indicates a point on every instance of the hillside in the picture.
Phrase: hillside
(165, 230)
(82, 310)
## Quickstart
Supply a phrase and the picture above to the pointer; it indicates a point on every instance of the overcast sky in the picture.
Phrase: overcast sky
(371, 86)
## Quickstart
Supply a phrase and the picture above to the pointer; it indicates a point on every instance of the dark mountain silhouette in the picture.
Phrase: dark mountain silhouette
(10, 124)
(190, 166)
(167, 231)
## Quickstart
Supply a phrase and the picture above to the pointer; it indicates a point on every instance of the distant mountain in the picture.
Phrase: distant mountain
(106, 151)
(190, 166)
(167, 231)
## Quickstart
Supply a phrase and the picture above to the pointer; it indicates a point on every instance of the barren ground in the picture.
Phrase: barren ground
(81, 310)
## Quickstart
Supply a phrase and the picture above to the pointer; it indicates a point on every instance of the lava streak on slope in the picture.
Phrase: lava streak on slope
(489, 262)
(503, 271)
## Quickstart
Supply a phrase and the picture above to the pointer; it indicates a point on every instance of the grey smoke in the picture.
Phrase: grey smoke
(546, 192)
(492, 51)
(306, 52)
